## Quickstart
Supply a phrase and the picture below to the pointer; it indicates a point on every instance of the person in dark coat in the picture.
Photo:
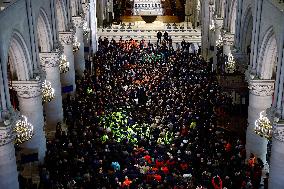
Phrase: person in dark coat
(166, 36)
(159, 36)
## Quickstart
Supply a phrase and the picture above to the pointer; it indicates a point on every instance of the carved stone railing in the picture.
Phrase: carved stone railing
(177, 34)
(278, 131)
(7, 135)
(228, 38)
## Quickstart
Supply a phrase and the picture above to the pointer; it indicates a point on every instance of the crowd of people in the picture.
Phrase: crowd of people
(144, 118)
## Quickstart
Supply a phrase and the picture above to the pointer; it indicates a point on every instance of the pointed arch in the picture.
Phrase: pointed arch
(266, 63)
(233, 16)
(44, 32)
(61, 15)
(246, 30)
(19, 60)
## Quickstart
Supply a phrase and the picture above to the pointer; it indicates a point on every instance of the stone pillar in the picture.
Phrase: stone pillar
(53, 109)
(255, 42)
(218, 26)
(86, 16)
(260, 98)
(187, 11)
(228, 40)
(68, 78)
(30, 100)
(276, 171)
(8, 166)
(109, 10)
(100, 11)
(207, 13)
(79, 60)
(93, 23)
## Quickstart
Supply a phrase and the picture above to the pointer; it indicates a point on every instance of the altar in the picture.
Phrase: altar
(148, 8)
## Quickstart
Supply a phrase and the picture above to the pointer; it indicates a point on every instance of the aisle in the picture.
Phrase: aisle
(145, 120)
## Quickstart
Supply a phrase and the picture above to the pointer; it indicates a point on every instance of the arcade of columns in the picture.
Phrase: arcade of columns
(265, 92)
(29, 93)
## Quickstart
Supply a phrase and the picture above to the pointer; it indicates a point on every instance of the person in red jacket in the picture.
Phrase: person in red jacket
(126, 183)
(159, 163)
(158, 177)
(217, 182)
(165, 170)
(147, 158)
(183, 166)
(171, 162)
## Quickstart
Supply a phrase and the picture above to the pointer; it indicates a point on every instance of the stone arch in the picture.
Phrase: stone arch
(233, 16)
(61, 15)
(19, 61)
(74, 7)
(266, 63)
(246, 31)
(44, 32)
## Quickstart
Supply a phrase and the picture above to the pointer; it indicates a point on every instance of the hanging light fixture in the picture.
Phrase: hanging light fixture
(230, 63)
(86, 29)
(263, 126)
(64, 64)
(47, 91)
(76, 45)
(23, 130)
(219, 42)
(16, 128)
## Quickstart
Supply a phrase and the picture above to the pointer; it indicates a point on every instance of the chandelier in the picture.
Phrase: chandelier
(64, 64)
(76, 45)
(230, 63)
(263, 126)
(23, 130)
(47, 91)
(86, 29)
(16, 128)
(219, 42)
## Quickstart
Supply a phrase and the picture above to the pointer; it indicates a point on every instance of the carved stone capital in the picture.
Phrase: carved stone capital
(49, 60)
(261, 87)
(218, 23)
(228, 39)
(78, 21)
(66, 38)
(278, 131)
(85, 7)
(7, 134)
(27, 89)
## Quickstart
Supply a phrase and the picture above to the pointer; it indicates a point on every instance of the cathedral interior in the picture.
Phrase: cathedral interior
(141, 94)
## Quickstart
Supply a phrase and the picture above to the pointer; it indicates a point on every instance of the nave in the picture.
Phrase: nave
(143, 117)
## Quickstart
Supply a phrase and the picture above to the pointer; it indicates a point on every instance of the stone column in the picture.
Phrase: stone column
(30, 100)
(79, 60)
(100, 5)
(53, 109)
(68, 78)
(218, 26)
(276, 171)
(93, 23)
(260, 98)
(86, 17)
(205, 30)
(8, 166)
